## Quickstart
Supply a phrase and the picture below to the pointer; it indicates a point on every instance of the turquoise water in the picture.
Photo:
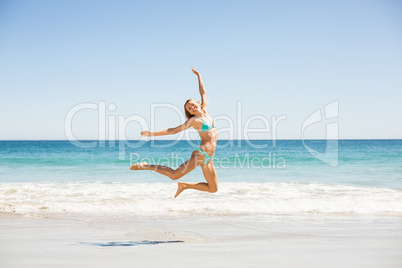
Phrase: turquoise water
(39, 178)
(361, 162)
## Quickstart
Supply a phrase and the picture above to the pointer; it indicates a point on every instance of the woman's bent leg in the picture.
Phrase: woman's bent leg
(210, 186)
(195, 160)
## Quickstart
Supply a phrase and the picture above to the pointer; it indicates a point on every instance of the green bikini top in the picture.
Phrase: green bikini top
(207, 124)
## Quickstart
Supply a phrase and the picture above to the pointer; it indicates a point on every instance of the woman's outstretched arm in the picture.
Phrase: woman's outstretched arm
(203, 93)
(169, 131)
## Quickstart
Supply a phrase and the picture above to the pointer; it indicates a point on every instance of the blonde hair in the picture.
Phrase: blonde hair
(187, 113)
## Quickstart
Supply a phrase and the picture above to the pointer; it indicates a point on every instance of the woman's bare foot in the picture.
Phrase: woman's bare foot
(180, 187)
(139, 166)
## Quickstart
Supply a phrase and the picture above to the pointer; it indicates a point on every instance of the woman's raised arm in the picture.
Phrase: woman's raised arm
(203, 93)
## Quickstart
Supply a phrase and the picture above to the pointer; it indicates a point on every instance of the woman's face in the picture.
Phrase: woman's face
(193, 107)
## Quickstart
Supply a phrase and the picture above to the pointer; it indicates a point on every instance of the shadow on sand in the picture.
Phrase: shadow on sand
(127, 244)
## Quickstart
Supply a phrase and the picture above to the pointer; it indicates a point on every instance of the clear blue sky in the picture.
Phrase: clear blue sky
(276, 57)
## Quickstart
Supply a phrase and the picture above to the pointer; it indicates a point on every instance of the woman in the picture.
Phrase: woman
(199, 119)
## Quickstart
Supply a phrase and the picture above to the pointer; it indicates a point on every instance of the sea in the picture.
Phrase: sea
(255, 177)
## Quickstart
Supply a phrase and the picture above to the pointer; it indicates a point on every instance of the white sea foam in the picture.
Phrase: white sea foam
(37, 199)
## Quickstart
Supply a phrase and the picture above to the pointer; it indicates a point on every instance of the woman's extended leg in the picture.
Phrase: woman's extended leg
(210, 176)
(195, 160)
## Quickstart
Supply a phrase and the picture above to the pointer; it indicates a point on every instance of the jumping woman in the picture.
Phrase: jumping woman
(199, 119)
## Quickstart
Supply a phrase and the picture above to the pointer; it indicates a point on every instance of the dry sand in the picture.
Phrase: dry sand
(225, 241)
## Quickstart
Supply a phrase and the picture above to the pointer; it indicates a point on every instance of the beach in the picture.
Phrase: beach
(83, 207)
(199, 241)
(201, 134)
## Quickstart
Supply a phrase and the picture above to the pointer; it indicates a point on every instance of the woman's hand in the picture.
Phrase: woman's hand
(194, 71)
(203, 93)
(146, 133)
